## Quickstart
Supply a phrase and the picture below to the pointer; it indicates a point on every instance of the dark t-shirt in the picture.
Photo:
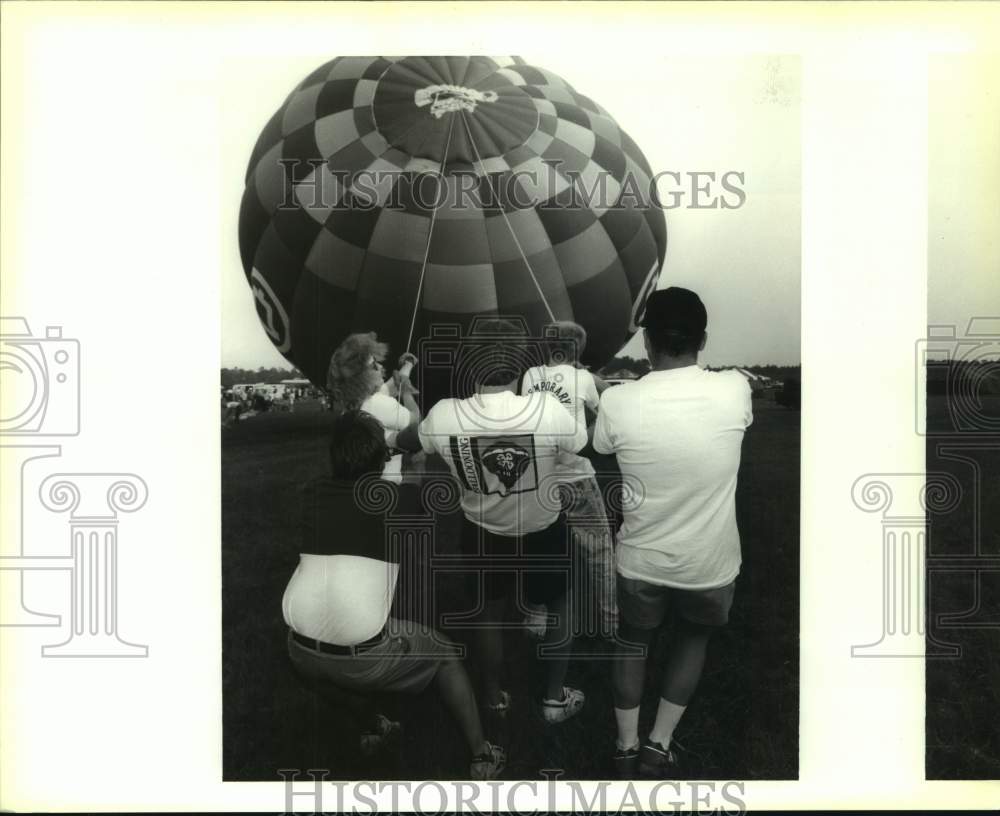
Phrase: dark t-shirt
(338, 519)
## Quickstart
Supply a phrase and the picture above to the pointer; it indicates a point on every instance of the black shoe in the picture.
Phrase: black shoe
(381, 732)
(657, 762)
(626, 761)
(490, 764)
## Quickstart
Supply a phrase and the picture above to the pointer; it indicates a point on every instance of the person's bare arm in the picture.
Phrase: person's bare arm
(408, 439)
(407, 395)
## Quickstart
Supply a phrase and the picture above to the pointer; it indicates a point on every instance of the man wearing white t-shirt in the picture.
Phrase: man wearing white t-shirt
(503, 450)
(677, 435)
(578, 390)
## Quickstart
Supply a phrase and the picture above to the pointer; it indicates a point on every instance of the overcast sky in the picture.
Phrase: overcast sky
(963, 258)
(687, 114)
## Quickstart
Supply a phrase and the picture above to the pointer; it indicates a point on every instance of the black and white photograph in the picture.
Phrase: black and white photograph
(499, 406)
(511, 427)
(961, 354)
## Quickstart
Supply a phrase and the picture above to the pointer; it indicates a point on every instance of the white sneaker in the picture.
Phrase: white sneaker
(500, 709)
(536, 621)
(557, 711)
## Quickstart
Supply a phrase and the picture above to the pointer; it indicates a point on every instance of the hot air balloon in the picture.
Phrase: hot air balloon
(401, 195)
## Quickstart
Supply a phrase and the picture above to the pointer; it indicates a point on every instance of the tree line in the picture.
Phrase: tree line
(969, 376)
(638, 368)
(271, 376)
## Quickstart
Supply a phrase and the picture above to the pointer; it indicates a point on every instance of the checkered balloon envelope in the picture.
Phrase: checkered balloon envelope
(402, 195)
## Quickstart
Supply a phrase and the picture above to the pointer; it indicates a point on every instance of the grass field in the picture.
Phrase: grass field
(742, 724)
(963, 693)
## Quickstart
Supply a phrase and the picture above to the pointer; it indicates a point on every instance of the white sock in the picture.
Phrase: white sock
(667, 717)
(628, 727)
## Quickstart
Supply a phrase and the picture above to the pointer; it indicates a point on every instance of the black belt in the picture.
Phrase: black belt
(333, 648)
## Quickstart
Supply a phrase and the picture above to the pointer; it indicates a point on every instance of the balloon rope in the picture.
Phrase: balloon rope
(430, 232)
(510, 227)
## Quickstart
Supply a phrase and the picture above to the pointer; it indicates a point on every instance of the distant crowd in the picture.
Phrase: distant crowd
(241, 402)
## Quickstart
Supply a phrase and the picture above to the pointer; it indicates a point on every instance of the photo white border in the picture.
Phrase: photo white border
(78, 251)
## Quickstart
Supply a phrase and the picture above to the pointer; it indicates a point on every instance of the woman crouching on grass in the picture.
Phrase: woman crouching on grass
(337, 604)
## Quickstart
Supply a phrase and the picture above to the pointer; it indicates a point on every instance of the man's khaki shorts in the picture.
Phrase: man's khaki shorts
(644, 605)
(406, 661)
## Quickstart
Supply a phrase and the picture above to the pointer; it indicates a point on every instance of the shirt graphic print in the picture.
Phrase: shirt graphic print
(495, 464)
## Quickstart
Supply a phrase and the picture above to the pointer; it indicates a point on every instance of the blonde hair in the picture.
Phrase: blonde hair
(350, 378)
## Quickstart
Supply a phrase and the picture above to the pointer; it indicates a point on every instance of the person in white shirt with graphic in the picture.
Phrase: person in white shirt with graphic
(579, 391)
(677, 435)
(503, 449)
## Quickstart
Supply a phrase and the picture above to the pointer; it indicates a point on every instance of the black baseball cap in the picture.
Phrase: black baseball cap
(675, 309)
